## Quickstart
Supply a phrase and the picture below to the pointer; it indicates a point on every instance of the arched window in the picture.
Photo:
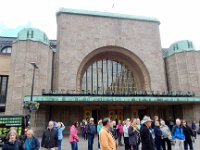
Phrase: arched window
(108, 77)
(6, 50)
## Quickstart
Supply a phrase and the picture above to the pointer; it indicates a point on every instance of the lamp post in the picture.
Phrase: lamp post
(33, 80)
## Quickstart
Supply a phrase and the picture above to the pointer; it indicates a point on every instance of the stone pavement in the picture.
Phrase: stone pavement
(82, 145)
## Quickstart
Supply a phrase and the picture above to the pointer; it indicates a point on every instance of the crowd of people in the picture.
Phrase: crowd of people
(145, 135)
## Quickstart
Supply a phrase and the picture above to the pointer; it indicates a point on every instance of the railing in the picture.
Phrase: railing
(2, 99)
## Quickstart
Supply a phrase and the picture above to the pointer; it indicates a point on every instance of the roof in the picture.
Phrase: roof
(178, 47)
(8, 41)
(106, 14)
(33, 34)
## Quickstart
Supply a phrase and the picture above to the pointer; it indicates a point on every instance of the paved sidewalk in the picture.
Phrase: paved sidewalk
(82, 145)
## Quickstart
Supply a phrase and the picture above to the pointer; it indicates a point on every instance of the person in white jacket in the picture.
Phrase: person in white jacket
(126, 136)
(166, 135)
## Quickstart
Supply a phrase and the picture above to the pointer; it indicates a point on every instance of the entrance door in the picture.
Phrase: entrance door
(87, 115)
(95, 116)
(116, 114)
(142, 113)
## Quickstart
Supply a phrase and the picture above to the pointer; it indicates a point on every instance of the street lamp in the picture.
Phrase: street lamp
(32, 88)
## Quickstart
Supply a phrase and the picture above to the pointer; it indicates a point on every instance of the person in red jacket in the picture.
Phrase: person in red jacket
(73, 136)
(120, 132)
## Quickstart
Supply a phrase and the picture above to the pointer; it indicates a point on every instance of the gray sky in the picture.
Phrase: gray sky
(179, 18)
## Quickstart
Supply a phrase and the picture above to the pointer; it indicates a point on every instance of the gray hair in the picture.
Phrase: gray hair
(31, 131)
(51, 122)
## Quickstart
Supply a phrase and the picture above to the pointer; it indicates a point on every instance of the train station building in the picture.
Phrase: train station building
(101, 64)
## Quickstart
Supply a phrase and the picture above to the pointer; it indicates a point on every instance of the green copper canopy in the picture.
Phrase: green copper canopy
(33, 34)
(105, 14)
(111, 99)
(180, 46)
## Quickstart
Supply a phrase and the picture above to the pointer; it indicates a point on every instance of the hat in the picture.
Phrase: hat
(146, 119)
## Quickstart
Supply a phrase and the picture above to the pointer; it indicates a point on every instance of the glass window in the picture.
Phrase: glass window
(7, 50)
(108, 77)
(3, 88)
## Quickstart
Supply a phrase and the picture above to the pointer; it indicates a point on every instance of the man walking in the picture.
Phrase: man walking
(146, 137)
(50, 138)
(91, 131)
(178, 136)
(106, 139)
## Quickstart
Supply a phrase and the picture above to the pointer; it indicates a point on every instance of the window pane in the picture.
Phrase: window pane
(4, 85)
(106, 77)
(6, 50)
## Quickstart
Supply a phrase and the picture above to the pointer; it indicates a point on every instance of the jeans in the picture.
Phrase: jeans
(186, 145)
(74, 145)
(90, 141)
(120, 140)
(164, 140)
(59, 144)
(179, 144)
(98, 143)
(126, 142)
(135, 147)
(158, 144)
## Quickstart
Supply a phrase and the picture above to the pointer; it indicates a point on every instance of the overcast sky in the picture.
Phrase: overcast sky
(179, 18)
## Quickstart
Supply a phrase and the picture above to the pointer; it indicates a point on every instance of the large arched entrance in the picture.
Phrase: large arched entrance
(112, 70)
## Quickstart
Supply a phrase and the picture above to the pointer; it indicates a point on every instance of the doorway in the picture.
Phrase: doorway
(95, 116)
(142, 113)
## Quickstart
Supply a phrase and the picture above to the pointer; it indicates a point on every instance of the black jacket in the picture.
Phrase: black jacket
(188, 133)
(35, 145)
(50, 138)
(146, 137)
(132, 136)
(12, 146)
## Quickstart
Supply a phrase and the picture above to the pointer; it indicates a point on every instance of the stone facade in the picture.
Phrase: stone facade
(21, 73)
(80, 35)
(183, 72)
(5, 64)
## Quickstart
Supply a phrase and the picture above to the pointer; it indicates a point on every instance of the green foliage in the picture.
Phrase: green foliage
(31, 105)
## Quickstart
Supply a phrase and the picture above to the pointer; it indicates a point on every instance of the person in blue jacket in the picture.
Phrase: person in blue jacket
(158, 135)
(30, 142)
(91, 131)
(60, 128)
(178, 136)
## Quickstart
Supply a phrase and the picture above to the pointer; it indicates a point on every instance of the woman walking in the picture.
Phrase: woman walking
(73, 136)
(99, 126)
(134, 137)
(83, 129)
(12, 143)
(188, 135)
(61, 127)
(120, 132)
(166, 135)
(158, 135)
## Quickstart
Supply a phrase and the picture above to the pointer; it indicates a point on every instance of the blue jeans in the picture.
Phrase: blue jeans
(90, 142)
(74, 145)
(98, 143)
(186, 145)
(59, 144)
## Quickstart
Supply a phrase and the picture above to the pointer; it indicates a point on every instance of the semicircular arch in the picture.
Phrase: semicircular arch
(121, 55)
